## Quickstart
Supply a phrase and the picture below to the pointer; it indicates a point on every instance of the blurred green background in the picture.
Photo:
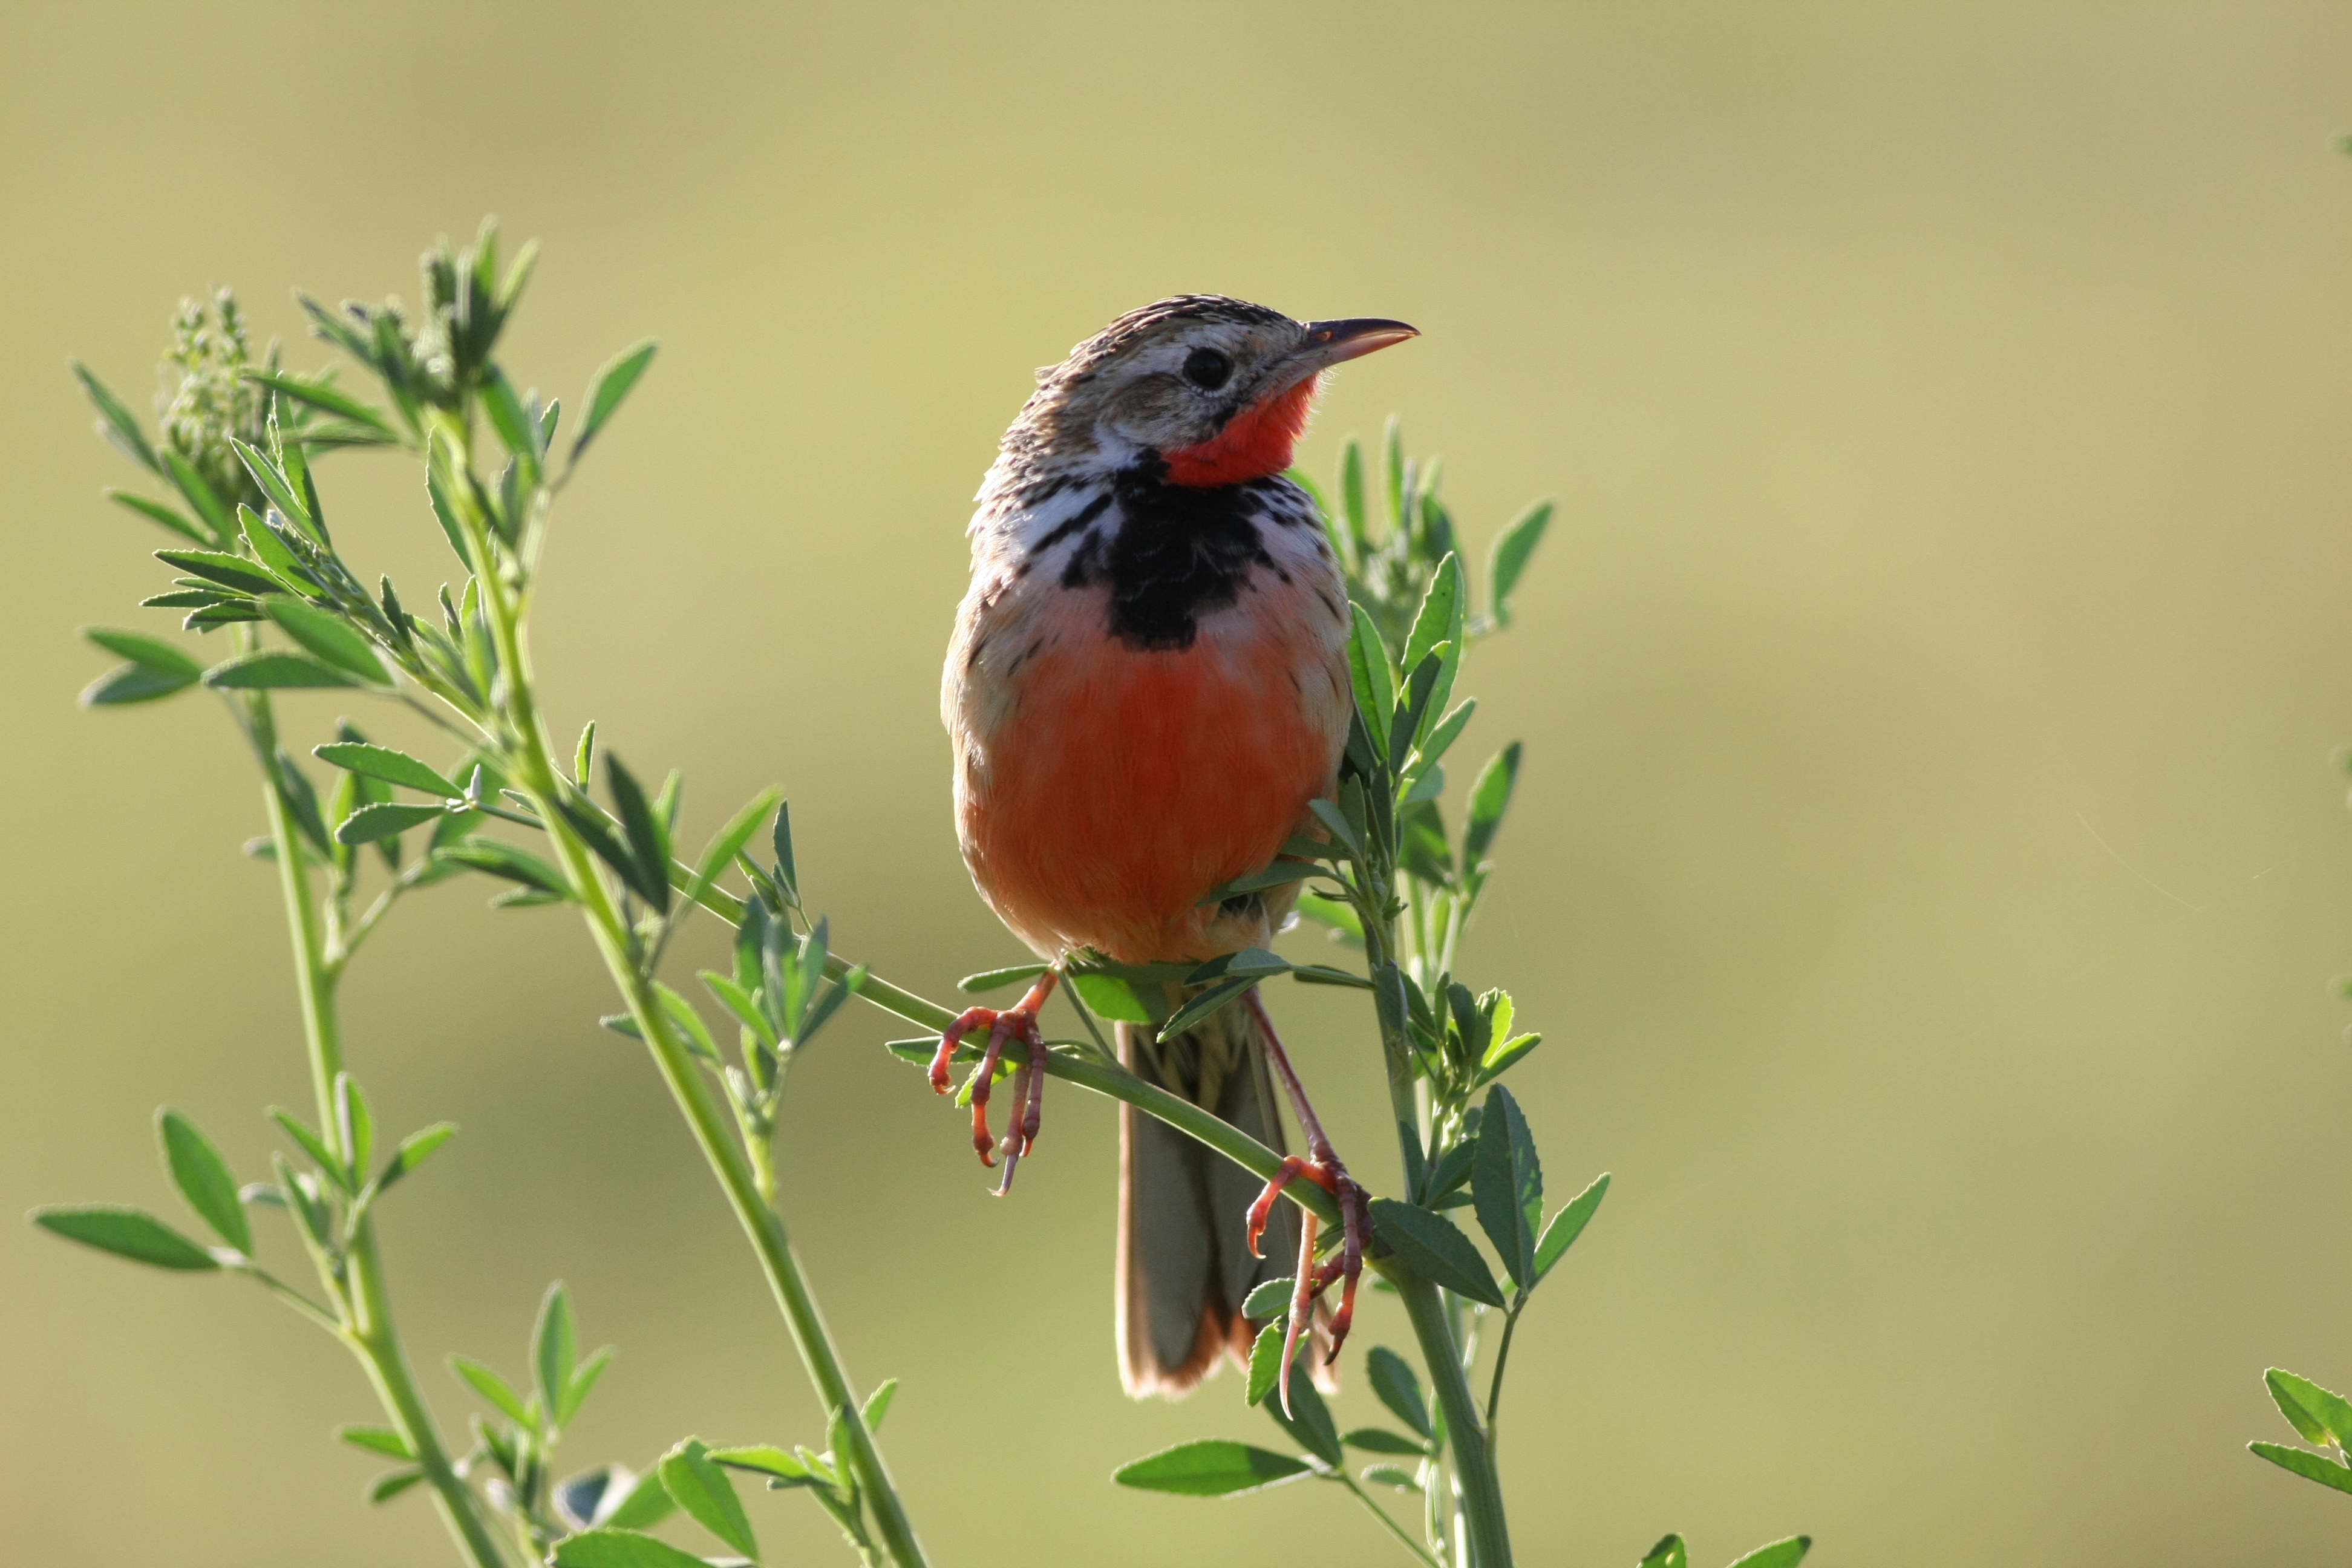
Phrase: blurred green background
(1926, 870)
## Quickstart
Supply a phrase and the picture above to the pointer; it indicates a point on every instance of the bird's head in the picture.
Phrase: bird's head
(1217, 390)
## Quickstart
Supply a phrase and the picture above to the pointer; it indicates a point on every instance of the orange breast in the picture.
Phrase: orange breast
(1118, 786)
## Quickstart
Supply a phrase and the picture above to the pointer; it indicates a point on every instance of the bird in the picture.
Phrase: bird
(1146, 689)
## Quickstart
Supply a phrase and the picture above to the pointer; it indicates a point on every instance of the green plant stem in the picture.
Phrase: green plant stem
(1116, 1082)
(539, 778)
(1409, 1543)
(1474, 1463)
(368, 1328)
(1502, 1359)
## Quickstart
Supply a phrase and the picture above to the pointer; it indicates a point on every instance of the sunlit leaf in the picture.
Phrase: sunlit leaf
(1209, 1467)
(127, 1233)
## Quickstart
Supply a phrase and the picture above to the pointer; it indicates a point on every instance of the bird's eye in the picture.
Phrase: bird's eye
(1207, 369)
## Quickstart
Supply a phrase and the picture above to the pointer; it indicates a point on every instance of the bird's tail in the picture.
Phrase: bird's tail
(1184, 1263)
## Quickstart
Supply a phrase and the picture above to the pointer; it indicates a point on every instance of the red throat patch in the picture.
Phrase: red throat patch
(1255, 443)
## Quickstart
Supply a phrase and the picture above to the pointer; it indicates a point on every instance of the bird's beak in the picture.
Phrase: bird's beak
(1334, 343)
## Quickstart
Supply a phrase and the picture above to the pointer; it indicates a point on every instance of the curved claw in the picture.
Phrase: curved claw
(1312, 1280)
(1012, 1023)
(1262, 1210)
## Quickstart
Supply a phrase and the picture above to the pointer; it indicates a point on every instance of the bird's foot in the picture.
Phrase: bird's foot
(1019, 1023)
(1312, 1280)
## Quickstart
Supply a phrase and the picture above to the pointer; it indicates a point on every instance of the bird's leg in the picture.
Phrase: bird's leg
(1028, 1106)
(1020, 1021)
(1322, 1167)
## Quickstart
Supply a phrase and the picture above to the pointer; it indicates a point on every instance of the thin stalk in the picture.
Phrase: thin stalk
(1502, 1359)
(1118, 1084)
(368, 1329)
(1407, 1541)
(1474, 1463)
(539, 779)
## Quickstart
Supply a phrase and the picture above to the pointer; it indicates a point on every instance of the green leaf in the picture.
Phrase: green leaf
(582, 1383)
(1440, 617)
(126, 683)
(1779, 1554)
(608, 1546)
(220, 566)
(989, 980)
(1250, 963)
(500, 858)
(271, 551)
(788, 874)
(272, 480)
(202, 598)
(1434, 1249)
(514, 428)
(1669, 1553)
(1325, 974)
(200, 495)
(127, 1233)
(1507, 1181)
(383, 763)
(309, 1143)
(648, 845)
(741, 1002)
(1332, 817)
(1353, 512)
(2304, 1463)
(1391, 1476)
(611, 386)
(1265, 1353)
(877, 1405)
(328, 635)
(273, 669)
(646, 1504)
(1489, 798)
(1569, 1223)
(228, 612)
(1308, 1420)
(354, 1127)
(1270, 1300)
(1381, 1440)
(1209, 1467)
(391, 1484)
(552, 1348)
(204, 1179)
(1504, 1054)
(376, 1440)
(414, 1151)
(1280, 873)
(2320, 1414)
(729, 842)
(682, 1013)
(491, 1387)
(156, 512)
(1374, 681)
(324, 395)
(116, 425)
(383, 820)
(1207, 1004)
(701, 1487)
(1110, 997)
(1392, 468)
(1338, 918)
(767, 1460)
(1396, 1386)
(595, 830)
(1441, 736)
(1513, 546)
